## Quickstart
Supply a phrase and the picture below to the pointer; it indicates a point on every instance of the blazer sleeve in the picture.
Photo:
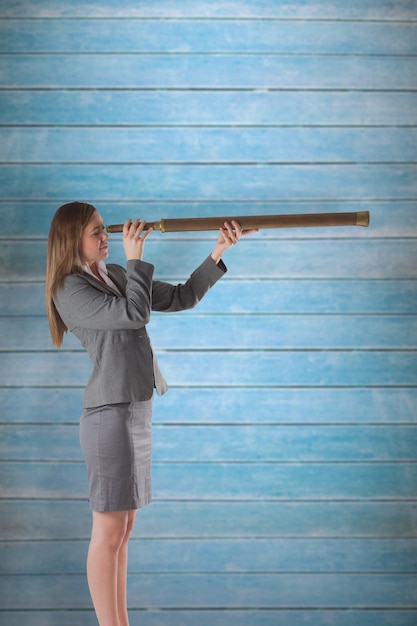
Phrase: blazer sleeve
(81, 304)
(170, 298)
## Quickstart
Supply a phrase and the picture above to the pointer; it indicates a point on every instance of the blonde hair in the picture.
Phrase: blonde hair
(63, 257)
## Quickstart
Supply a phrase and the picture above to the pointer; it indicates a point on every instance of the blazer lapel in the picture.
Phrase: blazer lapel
(103, 286)
(118, 276)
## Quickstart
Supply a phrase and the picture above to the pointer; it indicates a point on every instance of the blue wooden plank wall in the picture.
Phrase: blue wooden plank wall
(285, 454)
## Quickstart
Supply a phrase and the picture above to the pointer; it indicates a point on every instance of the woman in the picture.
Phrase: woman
(107, 308)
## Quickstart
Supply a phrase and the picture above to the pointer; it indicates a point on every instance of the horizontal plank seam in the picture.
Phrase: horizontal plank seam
(210, 350)
(204, 18)
(293, 501)
(161, 424)
(196, 125)
(259, 463)
(226, 201)
(242, 314)
(213, 88)
(208, 163)
(222, 610)
(202, 53)
(204, 387)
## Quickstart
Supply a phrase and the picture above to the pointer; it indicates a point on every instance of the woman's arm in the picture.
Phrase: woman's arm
(228, 237)
(81, 303)
(168, 298)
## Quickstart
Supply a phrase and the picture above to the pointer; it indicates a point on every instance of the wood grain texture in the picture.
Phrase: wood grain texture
(198, 71)
(289, 259)
(269, 332)
(208, 145)
(127, 107)
(389, 218)
(307, 9)
(213, 369)
(380, 405)
(207, 617)
(221, 556)
(202, 36)
(228, 481)
(242, 183)
(228, 444)
(60, 519)
(285, 452)
(261, 297)
(227, 590)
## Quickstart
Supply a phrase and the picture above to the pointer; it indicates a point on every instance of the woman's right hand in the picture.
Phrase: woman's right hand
(134, 237)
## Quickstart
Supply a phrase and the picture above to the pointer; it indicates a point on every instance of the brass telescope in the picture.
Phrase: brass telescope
(247, 222)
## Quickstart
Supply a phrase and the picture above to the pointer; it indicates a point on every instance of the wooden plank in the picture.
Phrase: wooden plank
(224, 443)
(22, 299)
(176, 260)
(208, 145)
(232, 406)
(282, 332)
(214, 369)
(290, 406)
(220, 617)
(31, 220)
(197, 36)
(204, 71)
(220, 555)
(199, 331)
(283, 443)
(196, 183)
(219, 108)
(222, 481)
(57, 519)
(349, 258)
(328, 481)
(221, 590)
(276, 297)
(319, 369)
(308, 9)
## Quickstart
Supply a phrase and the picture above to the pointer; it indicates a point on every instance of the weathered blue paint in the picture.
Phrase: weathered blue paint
(270, 332)
(319, 405)
(208, 145)
(63, 519)
(221, 443)
(31, 219)
(202, 36)
(212, 108)
(198, 71)
(220, 617)
(285, 487)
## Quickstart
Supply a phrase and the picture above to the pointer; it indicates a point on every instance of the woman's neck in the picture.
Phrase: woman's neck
(93, 267)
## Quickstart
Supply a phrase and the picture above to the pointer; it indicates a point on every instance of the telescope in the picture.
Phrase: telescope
(248, 222)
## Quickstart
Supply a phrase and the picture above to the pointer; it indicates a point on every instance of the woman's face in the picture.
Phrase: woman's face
(94, 246)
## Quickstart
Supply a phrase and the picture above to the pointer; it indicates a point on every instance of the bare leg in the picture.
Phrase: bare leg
(107, 538)
(122, 572)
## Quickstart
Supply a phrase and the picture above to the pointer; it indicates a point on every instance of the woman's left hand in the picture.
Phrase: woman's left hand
(229, 235)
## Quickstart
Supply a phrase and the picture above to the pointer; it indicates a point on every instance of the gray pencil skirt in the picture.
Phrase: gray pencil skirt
(116, 440)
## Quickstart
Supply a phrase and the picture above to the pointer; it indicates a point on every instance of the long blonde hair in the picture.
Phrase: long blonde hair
(63, 257)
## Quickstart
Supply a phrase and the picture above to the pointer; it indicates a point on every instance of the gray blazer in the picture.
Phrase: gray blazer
(112, 328)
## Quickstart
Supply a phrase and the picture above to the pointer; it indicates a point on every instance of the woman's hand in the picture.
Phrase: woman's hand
(228, 237)
(134, 237)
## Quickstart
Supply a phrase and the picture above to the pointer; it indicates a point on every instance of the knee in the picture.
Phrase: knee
(116, 538)
(112, 530)
(129, 526)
